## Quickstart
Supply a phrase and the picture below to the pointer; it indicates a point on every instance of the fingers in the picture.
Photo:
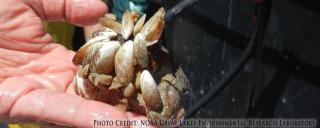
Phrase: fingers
(10, 92)
(27, 100)
(79, 12)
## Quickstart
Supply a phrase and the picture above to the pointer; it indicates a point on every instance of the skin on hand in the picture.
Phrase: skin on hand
(36, 74)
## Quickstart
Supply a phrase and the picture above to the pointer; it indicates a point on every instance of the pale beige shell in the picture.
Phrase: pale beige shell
(128, 20)
(150, 92)
(140, 51)
(139, 25)
(101, 55)
(129, 90)
(112, 24)
(84, 88)
(110, 16)
(100, 79)
(124, 63)
(153, 28)
(102, 34)
(137, 80)
(172, 96)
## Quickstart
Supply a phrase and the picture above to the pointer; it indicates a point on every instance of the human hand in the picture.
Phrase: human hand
(36, 74)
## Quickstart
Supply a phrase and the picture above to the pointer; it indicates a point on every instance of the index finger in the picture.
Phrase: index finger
(79, 12)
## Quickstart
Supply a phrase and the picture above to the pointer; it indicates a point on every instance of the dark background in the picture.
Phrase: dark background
(207, 38)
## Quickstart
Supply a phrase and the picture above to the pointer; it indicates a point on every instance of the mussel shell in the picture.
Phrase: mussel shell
(128, 20)
(111, 24)
(124, 66)
(84, 88)
(139, 25)
(171, 96)
(140, 51)
(101, 56)
(153, 28)
(150, 92)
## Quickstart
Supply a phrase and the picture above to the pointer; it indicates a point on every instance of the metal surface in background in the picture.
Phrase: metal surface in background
(207, 38)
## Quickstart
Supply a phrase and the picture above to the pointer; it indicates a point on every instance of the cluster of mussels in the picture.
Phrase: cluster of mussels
(122, 63)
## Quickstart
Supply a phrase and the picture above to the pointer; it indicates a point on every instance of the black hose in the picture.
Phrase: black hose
(257, 57)
(175, 10)
(258, 31)
(237, 67)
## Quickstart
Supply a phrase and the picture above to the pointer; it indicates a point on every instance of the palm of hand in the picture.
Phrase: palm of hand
(36, 74)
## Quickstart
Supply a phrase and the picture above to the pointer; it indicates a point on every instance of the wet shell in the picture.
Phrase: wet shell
(140, 51)
(115, 84)
(128, 20)
(100, 79)
(80, 54)
(129, 90)
(84, 88)
(105, 33)
(78, 58)
(168, 92)
(83, 71)
(153, 28)
(110, 16)
(101, 56)
(124, 63)
(182, 82)
(112, 24)
(150, 92)
(139, 25)
(137, 81)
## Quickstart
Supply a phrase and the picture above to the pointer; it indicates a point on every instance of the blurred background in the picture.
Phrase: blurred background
(280, 80)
